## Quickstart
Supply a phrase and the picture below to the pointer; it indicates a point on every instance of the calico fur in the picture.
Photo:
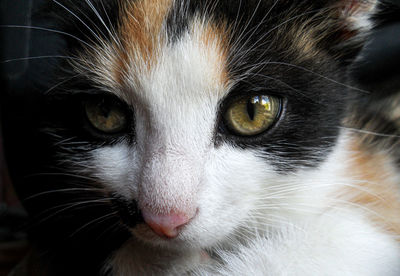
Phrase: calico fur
(316, 194)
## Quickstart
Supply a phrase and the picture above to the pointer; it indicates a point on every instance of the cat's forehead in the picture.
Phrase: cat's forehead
(143, 55)
(212, 45)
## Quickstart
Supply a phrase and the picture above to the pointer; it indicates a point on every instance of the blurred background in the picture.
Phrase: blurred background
(378, 71)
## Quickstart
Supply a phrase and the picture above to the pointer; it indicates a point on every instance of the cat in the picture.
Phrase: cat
(184, 137)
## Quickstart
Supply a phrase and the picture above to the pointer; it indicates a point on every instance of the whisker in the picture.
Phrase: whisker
(90, 4)
(38, 57)
(236, 23)
(49, 30)
(244, 29)
(284, 84)
(111, 228)
(109, 21)
(80, 20)
(254, 29)
(60, 83)
(64, 141)
(319, 75)
(68, 207)
(370, 132)
(97, 220)
(62, 191)
(62, 174)
(262, 37)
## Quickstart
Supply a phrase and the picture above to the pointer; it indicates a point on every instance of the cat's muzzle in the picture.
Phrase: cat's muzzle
(128, 211)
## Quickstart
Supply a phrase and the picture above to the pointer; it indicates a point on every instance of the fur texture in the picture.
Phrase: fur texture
(316, 194)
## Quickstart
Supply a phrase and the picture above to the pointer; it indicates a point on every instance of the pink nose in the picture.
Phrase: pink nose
(165, 225)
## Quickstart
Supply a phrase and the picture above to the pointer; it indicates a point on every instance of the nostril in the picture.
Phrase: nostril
(166, 225)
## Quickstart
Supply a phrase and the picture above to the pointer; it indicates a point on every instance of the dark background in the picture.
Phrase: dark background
(378, 71)
(16, 79)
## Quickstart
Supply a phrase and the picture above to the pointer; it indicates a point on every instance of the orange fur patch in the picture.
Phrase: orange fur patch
(215, 37)
(142, 36)
(141, 31)
(378, 189)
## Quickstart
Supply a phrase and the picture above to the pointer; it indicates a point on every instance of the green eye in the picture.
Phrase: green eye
(107, 116)
(253, 115)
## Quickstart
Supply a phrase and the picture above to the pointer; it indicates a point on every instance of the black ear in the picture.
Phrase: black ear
(320, 29)
(378, 70)
(354, 21)
(357, 14)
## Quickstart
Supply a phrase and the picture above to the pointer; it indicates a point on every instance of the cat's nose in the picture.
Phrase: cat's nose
(166, 225)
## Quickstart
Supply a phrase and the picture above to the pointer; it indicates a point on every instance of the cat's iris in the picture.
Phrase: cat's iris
(253, 115)
(107, 116)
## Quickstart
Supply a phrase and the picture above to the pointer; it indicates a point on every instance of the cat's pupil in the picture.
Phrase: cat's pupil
(250, 109)
(104, 109)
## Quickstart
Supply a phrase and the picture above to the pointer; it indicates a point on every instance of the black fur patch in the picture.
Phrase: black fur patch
(314, 89)
(89, 21)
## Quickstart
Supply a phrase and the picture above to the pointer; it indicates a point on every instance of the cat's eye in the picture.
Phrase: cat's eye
(248, 116)
(106, 115)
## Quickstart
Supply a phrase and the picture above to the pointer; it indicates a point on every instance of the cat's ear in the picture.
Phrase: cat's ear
(354, 21)
(357, 14)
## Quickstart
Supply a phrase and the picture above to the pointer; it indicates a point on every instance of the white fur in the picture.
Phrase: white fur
(330, 244)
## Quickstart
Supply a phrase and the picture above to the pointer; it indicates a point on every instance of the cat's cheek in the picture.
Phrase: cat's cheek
(234, 181)
(116, 168)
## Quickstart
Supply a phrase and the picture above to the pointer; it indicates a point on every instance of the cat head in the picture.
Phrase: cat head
(200, 111)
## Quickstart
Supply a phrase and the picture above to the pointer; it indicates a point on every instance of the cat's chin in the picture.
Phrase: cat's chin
(145, 234)
(139, 255)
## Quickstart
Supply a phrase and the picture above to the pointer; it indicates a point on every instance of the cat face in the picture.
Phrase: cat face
(201, 111)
